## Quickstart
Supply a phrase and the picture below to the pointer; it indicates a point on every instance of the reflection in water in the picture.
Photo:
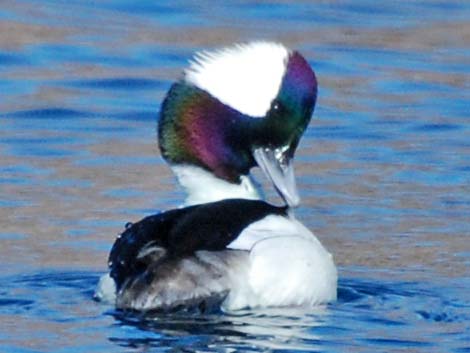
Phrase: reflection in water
(277, 329)
(383, 169)
(382, 315)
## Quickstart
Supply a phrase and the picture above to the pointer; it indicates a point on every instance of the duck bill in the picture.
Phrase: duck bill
(277, 164)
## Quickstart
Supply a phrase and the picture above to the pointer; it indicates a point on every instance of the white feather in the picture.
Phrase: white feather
(291, 270)
(106, 289)
(203, 186)
(288, 266)
(247, 77)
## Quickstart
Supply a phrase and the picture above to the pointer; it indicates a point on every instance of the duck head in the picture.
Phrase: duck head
(236, 108)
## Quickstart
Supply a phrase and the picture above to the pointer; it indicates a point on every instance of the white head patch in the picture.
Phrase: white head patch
(247, 77)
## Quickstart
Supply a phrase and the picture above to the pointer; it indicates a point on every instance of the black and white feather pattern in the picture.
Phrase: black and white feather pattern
(179, 258)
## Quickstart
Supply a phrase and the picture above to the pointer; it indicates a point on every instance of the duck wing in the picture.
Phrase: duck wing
(179, 258)
(200, 282)
(141, 244)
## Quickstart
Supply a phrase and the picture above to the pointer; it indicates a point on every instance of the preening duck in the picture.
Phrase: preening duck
(235, 108)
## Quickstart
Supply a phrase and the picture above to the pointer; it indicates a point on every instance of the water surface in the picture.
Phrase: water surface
(384, 169)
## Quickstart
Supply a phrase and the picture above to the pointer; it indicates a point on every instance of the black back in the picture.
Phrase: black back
(181, 232)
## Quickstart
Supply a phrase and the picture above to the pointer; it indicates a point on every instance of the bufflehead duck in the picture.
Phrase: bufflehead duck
(234, 109)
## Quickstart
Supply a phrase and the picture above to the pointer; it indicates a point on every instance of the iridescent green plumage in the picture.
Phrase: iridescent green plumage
(195, 128)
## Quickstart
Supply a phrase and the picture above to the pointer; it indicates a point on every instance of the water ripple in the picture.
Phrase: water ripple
(383, 169)
(124, 83)
(48, 113)
(57, 293)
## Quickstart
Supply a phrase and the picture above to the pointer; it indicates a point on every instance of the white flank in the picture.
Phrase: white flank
(203, 186)
(106, 289)
(288, 265)
(291, 270)
(247, 77)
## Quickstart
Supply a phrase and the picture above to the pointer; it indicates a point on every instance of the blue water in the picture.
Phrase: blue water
(369, 316)
(383, 170)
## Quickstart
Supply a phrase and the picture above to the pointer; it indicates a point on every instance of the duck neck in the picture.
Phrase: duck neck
(203, 186)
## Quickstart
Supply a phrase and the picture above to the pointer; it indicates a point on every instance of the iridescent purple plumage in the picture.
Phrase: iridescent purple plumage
(198, 129)
(299, 78)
